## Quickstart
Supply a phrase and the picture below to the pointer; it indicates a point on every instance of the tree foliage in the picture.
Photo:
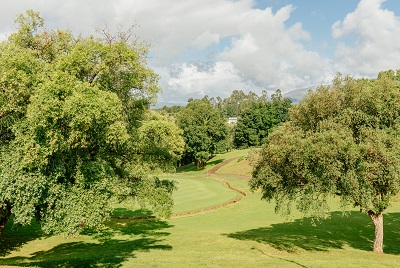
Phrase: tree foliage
(204, 131)
(160, 143)
(255, 122)
(342, 140)
(73, 129)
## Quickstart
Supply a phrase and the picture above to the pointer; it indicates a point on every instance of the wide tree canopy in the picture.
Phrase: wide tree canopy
(342, 140)
(72, 121)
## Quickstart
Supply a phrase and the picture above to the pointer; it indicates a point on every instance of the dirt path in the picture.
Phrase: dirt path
(214, 169)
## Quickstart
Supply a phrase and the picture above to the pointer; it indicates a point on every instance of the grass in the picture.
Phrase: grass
(236, 167)
(245, 234)
(196, 193)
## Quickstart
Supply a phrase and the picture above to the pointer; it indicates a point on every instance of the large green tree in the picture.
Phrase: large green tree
(72, 122)
(255, 122)
(342, 140)
(204, 131)
(161, 142)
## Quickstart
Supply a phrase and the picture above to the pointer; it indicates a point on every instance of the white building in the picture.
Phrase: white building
(232, 121)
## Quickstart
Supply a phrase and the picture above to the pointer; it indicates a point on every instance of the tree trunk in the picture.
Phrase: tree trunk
(3, 222)
(377, 218)
(5, 214)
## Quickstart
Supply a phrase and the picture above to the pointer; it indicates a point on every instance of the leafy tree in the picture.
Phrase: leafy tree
(237, 102)
(342, 140)
(255, 123)
(171, 111)
(160, 142)
(204, 131)
(72, 128)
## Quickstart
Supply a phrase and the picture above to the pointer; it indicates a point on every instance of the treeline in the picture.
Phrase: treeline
(205, 126)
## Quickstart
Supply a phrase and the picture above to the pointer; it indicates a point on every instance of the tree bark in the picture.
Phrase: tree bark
(377, 219)
(3, 222)
(5, 214)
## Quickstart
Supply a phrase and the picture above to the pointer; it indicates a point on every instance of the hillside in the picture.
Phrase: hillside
(297, 94)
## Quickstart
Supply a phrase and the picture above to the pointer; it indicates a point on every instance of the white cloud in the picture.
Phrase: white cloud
(375, 36)
(272, 55)
(246, 47)
(218, 79)
(175, 26)
(205, 39)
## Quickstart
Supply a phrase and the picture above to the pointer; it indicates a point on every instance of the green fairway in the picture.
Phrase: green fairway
(197, 193)
(243, 234)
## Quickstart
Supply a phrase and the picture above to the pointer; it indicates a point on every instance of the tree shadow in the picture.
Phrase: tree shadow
(215, 162)
(117, 243)
(355, 230)
(128, 213)
(192, 167)
(15, 236)
(186, 168)
(132, 227)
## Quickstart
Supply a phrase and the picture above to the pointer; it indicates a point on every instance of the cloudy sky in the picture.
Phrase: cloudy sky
(212, 47)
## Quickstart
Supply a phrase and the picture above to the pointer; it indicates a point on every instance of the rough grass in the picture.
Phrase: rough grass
(244, 234)
(238, 167)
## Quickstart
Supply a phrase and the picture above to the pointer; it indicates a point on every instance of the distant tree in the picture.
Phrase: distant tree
(72, 128)
(280, 107)
(237, 103)
(204, 130)
(342, 140)
(171, 111)
(255, 123)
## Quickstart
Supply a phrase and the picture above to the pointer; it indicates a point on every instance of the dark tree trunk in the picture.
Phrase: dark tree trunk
(377, 219)
(5, 214)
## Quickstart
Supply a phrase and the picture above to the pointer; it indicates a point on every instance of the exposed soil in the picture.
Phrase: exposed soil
(220, 165)
(215, 169)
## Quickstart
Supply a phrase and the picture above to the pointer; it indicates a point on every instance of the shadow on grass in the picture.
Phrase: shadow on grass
(109, 251)
(355, 230)
(192, 167)
(123, 212)
(186, 168)
(14, 237)
(215, 162)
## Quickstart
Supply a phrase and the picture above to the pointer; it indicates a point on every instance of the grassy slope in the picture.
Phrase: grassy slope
(245, 234)
(196, 193)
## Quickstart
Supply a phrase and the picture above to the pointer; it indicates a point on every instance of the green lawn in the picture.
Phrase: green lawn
(244, 234)
(197, 193)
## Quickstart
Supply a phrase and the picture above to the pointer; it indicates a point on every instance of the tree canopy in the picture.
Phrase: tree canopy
(342, 140)
(204, 131)
(256, 122)
(72, 127)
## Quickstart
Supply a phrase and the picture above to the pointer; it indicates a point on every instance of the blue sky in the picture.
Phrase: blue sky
(212, 47)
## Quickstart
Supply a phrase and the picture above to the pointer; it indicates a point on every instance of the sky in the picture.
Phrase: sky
(212, 47)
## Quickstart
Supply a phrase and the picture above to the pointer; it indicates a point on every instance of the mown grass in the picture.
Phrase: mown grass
(244, 234)
(196, 193)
